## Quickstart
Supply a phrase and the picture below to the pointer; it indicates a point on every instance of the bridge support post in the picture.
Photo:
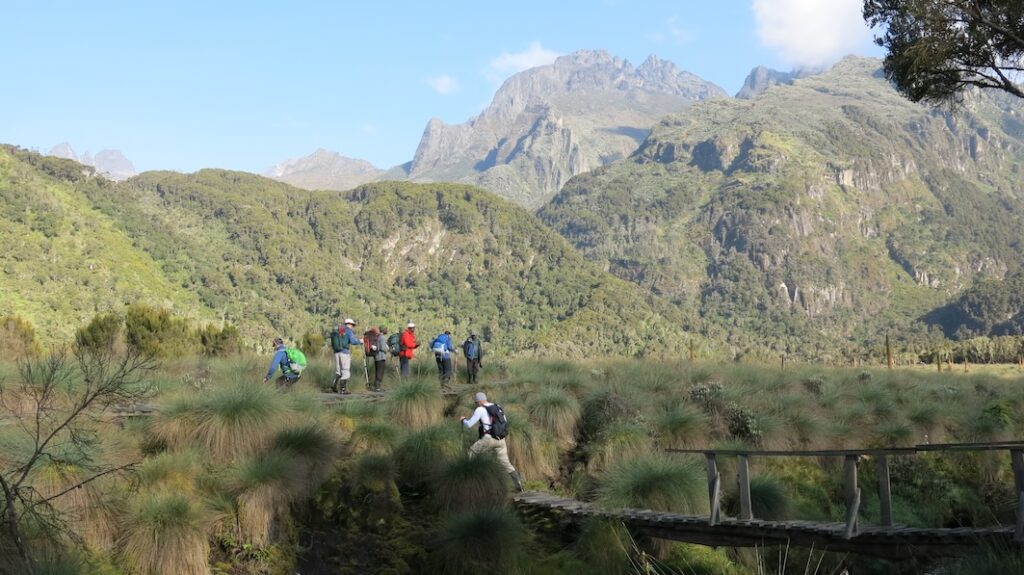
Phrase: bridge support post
(1017, 459)
(852, 495)
(884, 490)
(714, 489)
(746, 511)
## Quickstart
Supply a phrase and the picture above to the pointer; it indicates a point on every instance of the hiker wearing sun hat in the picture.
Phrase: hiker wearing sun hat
(493, 428)
(406, 344)
(341, 339)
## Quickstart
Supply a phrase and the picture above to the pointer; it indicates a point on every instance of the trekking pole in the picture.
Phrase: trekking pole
(366, 373)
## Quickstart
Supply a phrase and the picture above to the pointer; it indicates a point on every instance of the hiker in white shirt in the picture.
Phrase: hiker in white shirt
(487, 441)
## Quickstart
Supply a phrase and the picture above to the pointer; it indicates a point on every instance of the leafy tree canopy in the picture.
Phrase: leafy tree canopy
(936, 48)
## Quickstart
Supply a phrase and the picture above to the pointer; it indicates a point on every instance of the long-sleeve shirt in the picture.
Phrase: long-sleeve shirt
(280, 359)
(480, 416)
(381, 353)
(349, 338)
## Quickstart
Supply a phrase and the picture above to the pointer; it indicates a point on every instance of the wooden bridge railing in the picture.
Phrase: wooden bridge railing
(851, 458)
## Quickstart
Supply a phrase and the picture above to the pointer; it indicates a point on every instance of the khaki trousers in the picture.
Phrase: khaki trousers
(486, 443)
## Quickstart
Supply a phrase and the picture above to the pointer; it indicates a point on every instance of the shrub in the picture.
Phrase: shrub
(18, 338)
(469, 483)
(602, 408)
(742, 424)
(156, 332)
(313, 344)
(709, 396)
(104, 333)
(415, 404)
(220, 341)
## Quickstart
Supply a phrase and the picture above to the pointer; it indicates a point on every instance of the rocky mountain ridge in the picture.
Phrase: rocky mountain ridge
(111, 164)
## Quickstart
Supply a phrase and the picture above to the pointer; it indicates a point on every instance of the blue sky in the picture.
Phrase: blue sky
(243, 85)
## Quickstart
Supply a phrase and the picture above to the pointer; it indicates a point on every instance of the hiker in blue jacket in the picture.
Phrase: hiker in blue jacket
(280, 360)
(340, 343)
(443, 349)
(474, 353)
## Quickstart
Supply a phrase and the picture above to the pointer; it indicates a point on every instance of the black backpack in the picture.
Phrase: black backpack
(499, 425)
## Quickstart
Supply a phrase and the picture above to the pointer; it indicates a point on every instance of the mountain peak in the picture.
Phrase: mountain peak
(324, 170)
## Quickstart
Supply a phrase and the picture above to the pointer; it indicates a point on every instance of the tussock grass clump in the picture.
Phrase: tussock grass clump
(171, 471)
(558, 413)
(605, 546)
(89, 510)
(415, 405)
(374, 437)
(422, 454)
(374, 472)
(310, 445)
(603, 407)
(681, 426)
(619, 443)
(228, 422)
(469, 483)
(533, 454)
(656, 482)
(267, 484)
(483, 541)
(167, 533)
(768, 499)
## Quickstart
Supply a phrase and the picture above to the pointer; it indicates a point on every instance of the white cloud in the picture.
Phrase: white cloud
(811, 33)
(508, 63)
(443, 84)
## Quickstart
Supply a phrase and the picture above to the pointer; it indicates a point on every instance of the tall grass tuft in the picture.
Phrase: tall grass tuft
(768, 499)
(681, 426)
(469, 483)
(374, 437)
(603, 407)
(618, 443)
(533, 454)
(166, 533)
(422, 454)
(229, 422)
(482, 541)
(267, 484)
(656, 482)
(558, 413)
(602, 544)
(415, 404)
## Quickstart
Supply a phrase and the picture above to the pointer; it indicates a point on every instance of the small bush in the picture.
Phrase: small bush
(482, 541)
(658, 483)
(220, 341)
(681, 426)
(743, 424)
(710, 397)
(104, 333)
(18, 338)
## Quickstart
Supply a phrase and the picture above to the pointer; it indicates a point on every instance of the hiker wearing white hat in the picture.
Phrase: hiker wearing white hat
(493, 428)
(406, 344)
(341, 338)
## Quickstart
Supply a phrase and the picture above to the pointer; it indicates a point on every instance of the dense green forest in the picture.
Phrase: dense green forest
(220, 246)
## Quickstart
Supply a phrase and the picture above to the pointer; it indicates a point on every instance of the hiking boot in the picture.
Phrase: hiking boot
(343, 387)
(517, 480)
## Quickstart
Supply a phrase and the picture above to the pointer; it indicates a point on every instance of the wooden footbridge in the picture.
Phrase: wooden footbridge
(889, 539)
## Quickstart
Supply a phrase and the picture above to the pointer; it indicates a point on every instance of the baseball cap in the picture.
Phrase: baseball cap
(481, 396)
(411, 324)
(349, 321)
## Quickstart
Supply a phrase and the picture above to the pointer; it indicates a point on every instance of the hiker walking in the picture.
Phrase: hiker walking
(474, 354)
(341, 340)
(370, 338)
(380, 358)
(406, 344)
(290, 364)
(443, 348)
(492, 428)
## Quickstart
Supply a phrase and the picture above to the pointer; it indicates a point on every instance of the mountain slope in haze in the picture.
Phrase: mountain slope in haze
(819, 212)
(324, 170)
(552, 122)
(272, 258)
(111, 164)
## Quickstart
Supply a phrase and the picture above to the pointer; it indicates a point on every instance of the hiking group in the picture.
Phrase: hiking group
(380, 346)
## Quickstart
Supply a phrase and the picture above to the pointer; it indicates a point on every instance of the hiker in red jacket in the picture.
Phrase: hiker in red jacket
(406, 345)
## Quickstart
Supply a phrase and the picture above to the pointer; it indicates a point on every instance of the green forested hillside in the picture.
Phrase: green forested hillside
(990, 307)
(822, 213)
(272, 258)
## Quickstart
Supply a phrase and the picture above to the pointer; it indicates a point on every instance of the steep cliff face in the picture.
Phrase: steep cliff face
(826, 208)
(550, 123)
